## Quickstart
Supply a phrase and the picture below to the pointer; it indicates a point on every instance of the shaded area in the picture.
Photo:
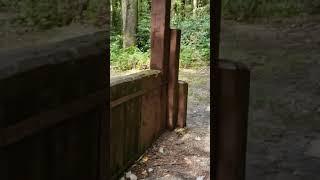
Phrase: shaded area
(29, 23)
(11, 39)
(285, 95)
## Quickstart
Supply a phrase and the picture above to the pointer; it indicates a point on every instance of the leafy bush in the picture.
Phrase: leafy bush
(249, 9)
(312, 6)
(195, 40)
(123, 59)
(45, 14)
(143, 33)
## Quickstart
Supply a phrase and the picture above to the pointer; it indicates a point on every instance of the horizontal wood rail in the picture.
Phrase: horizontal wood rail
(126, 98)
(32, 125)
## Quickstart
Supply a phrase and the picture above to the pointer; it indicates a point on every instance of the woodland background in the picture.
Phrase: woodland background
(130, 22)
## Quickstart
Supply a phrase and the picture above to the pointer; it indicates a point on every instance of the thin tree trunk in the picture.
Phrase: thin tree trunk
(173, 8)
(129, 22)
(111, 12)
(195, 6)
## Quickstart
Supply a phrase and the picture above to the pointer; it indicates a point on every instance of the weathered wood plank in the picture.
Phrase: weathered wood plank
(182, 104)
(160, 35)
(231, 120)
(135, 117)
(45, 120)
(175, 37)
(45, 130)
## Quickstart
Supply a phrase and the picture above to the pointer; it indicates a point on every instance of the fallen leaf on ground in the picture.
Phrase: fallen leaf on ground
(181, 131)
(150, 170)
(131, 176)
(144, 172)
(200, 177)
(145, 159)
(188, 161)
(161, 150)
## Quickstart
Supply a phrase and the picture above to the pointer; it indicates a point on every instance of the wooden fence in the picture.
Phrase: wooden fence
(135, 117)
(53, 118)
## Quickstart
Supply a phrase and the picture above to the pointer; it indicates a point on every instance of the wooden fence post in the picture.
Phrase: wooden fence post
(231, 120)
(160, 35)
(182, 104)
(160, 45)
(175, 37)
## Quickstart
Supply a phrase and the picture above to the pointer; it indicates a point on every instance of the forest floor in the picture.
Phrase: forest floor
(284, 117)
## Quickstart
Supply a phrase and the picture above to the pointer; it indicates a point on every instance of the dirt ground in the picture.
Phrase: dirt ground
(284, 117)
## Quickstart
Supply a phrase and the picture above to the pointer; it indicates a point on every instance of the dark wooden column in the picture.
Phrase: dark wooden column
(182, 104)
(230, 101)
(215, 14)
(173, 72)
(160, 47)
(160, 35)
(231, 121)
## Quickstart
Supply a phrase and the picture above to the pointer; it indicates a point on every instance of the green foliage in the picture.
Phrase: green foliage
(195, 27)
(45, 14)
(95, 12)
(143, 31)
(313, 6)
(249, 9)
(195, 40)
(41, 14)
(134, 57)
(128, 58)
(11, 4)
(116, 21)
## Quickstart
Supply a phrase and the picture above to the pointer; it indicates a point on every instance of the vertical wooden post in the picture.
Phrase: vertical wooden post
(182, 104)
(105, 116)
(160, 45)
(175, 37)
(215, 23)
(160, 35)
(4, 169)
(104, 138)
(231, 123)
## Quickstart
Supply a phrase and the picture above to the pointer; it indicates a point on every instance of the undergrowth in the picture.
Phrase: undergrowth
(195, 42)
(195, 27)
(246, 10)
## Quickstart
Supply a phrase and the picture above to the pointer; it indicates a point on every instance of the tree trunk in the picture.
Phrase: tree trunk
(195, 6)
(111, 13)
(129, 22)
(173, 8)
